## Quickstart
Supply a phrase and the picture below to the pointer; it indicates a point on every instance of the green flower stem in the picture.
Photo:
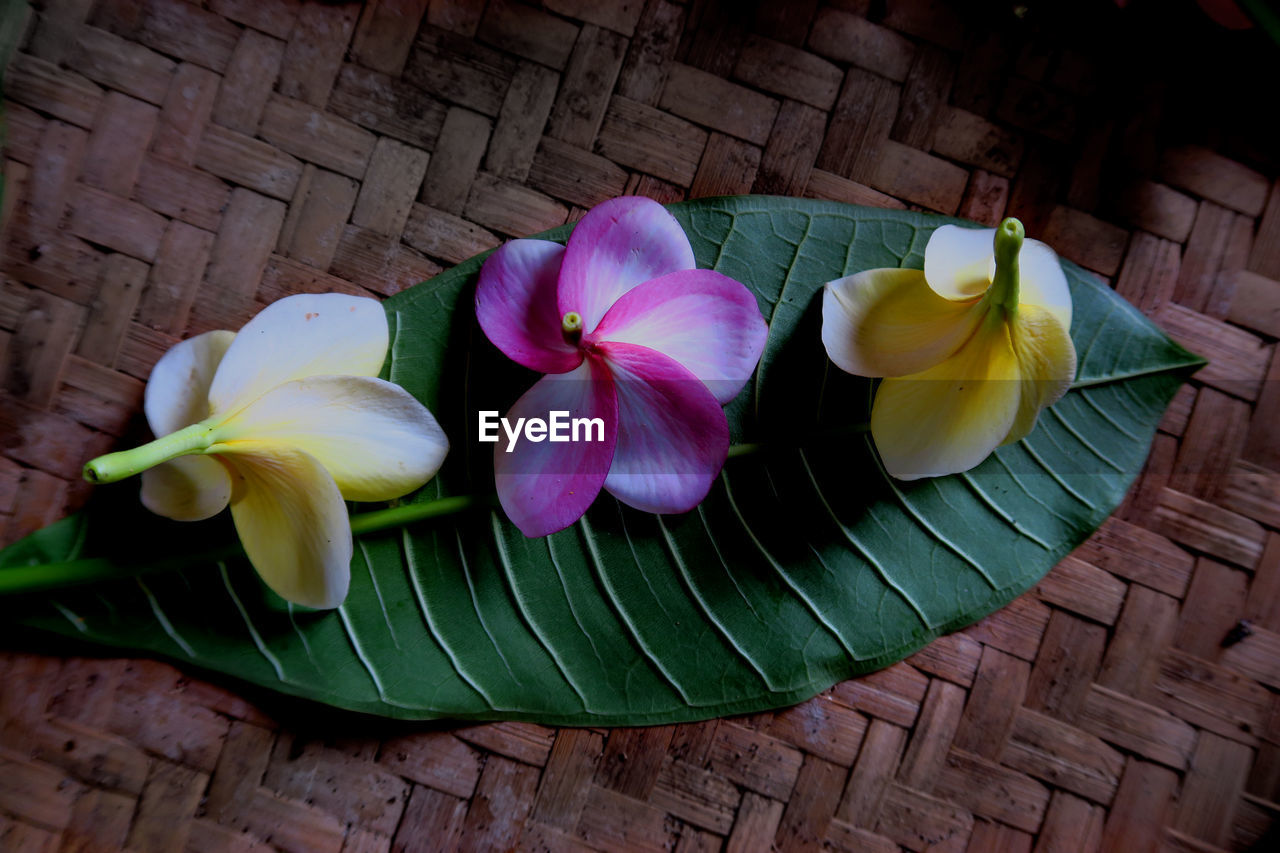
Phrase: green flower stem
(1004, 284)
(117, 466)
(114, 466)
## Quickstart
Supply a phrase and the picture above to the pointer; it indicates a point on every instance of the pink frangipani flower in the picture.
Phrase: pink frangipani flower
(630, 333)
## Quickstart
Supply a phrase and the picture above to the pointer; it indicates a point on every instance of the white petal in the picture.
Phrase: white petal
(1042, 281)
(310, 334)
(189, 488)
(959, 262)
(372, 436)
(293, 525)
(888, 322)
(177, 392)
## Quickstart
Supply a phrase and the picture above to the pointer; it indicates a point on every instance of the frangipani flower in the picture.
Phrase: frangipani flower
(974, 346)
(629, 333)
(283, 421)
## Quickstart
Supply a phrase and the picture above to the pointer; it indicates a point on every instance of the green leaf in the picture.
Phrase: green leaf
(804, 565)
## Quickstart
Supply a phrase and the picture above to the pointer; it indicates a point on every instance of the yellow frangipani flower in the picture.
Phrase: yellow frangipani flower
(283, 421)
(972, 347)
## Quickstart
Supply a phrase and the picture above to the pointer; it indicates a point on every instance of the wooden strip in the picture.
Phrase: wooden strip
(1038, 109)
(275, 19)
(843, 838)
(176, 274)
(167, 804)
(824, 184)
(99, 819)
(319, 137)
(791, 151)
(118, 142)
(395, 172)
(1211, 697)
(757, 819)
(822, 727)
(520, 122)
(1210, 612)
(992, 790)
(632, 760)
(316, 219)
(251, 76)
(52, 34)
(385, 34)
(584, 89)
(511, 208)
(566, 780)
(379, 262)
(1065, 666)
(1237, 359)
(1137, 726)
(755, 761)
(59, 160)
(1213, 786)
(61, 94)
(459, 70)
(445, 236)
(1212, 176)
(1016, 628)
(932, 735)
(1133, 552)
(1265, 257)
(500, 804)
(1263, 444)
(292, 825)
(859, 126)
(918, 821)
(1255, 303)
(185, 113)
(575, 175)
(314, 52)
(114, 222)
(1264, 593)
(388, 106)
(1084, 589)
(1203, 257)
(853, 39)
(86, 753)
(892, 694)
(998, 691)
(877, 764)
(695, 795)
(190, 195)
(454, 165)
(615, 822)
(35, 792)
(188, 32)
(118, 292)
(1141, 803)
(526, 742)
(119, 64)
(432, 821)
(242, 763)
(652, 51)
(1214, 438)
(1158, 208)
(919, 178)
(1063, 756)
(954, 657)
(811, 806)
(528, 32)
(1150, 272)
(701, 97)
(651, 141)
(249, 162)
(789, 72)
(1210, 528)
(972, 140)
(1145, 629)
(924, 97)
(1070, 824)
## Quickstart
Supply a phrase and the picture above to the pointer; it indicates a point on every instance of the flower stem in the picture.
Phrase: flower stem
(1005, 282)
(126, 463)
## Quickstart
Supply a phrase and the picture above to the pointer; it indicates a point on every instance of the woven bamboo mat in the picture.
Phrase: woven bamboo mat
(170, 167)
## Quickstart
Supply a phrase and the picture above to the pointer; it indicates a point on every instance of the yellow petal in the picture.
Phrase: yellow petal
(1046, 361)
(293, 524)
(177, 392)
(888, 322)
(375, 440)
(1042, 281)
(950, 417)
(310, 334)
(189, 488)
(959, 262)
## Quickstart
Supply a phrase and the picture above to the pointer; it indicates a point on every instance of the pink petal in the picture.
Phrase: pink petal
(516, 305)
(618, 245)
(706, 321)
(672, 434)
(546, 486)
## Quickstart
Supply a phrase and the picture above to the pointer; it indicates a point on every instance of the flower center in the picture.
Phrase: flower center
(571, 326)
